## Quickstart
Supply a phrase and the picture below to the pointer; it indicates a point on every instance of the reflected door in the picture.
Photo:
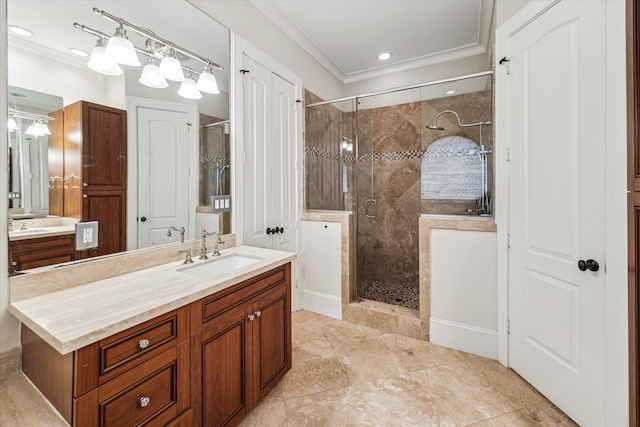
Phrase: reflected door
(163, 175)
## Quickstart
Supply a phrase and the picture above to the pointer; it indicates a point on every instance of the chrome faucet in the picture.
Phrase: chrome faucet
(203, 248)
(216, 250)
(180, 230)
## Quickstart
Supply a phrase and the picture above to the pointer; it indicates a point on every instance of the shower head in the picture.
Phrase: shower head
(434, 127)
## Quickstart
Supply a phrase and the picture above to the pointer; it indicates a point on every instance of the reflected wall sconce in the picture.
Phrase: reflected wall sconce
(113, 51)
(37, 128)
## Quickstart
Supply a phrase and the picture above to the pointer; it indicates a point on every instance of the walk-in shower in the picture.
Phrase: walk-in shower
(214, 159)
(370, 155)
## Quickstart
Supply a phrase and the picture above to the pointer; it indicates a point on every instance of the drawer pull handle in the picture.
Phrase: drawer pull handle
(144, 401)
(251, 317)
(143, 343)
(258, 313)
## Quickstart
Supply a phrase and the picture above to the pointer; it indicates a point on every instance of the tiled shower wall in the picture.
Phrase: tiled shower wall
(213, 145)
(391, 141)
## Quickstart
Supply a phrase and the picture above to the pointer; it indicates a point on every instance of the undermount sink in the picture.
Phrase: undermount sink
(218, 266)
(28, 231)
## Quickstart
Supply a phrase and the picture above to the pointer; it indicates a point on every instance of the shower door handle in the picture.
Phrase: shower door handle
(370, 208)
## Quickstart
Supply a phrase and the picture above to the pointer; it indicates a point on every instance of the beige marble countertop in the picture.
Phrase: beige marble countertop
(42, 227)
(72, 318)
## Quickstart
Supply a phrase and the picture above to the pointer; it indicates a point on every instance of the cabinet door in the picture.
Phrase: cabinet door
(221, 357)
(271, 340)
(104, 148)
(108, 208)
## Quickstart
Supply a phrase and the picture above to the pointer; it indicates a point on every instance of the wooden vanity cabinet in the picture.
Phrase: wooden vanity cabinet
(241, 346)
(102, 384)
(205, 364)
(42, 251)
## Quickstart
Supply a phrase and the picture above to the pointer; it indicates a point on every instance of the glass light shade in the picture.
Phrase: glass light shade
(189, 89)
(121, 50)
(207, 82)
(151, 77)
(43, 128)
(102, 63)
(171, 69)
(33, 130)
(11, 124)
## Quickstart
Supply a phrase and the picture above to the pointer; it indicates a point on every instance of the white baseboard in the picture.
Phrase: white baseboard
(478, 341)
(317, 302)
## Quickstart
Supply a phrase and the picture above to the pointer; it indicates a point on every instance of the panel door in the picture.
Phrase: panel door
(557, 171)
(108, 208)
(163, 175)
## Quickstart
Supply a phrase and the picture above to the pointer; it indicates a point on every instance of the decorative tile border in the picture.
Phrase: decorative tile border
(219, 160)
(350, 158)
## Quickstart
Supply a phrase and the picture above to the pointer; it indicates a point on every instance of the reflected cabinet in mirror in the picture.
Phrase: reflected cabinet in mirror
(113, 107)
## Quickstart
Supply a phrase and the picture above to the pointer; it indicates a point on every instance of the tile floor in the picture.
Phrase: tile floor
(349, 375)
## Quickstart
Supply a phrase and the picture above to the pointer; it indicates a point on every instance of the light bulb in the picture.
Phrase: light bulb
(207, 81)
(121, 50)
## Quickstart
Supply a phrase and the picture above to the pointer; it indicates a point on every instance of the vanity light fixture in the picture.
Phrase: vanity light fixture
(170, 67)
(189, 88)
(384, 56)
(121, 49)
(207, 81)
(152, 77)
(101, 62)
(37, 128)
(20, 31)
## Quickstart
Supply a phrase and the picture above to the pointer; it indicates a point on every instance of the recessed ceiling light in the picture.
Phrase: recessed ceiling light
(384, 56)
(78, 52)
(20, 31)
(450, 92)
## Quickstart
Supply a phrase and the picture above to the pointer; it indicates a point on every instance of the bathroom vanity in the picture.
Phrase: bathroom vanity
(178, 345)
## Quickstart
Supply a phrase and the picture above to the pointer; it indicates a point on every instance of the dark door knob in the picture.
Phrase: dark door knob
(281, 230)
(269, 231)
(590, 264)
(143, 219)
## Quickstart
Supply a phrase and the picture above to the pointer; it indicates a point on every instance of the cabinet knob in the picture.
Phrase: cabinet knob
(258, 313)
(269, 231)
(143, 343)
(144, 401)
(281, 230)
(84, 184)
(84, 196)
(251, 317)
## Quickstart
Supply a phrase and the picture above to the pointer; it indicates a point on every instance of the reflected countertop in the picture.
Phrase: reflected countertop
(33, 228)
(72, 318)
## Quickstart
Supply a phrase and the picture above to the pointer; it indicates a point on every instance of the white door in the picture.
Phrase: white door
(556, 133)
(163, 175)
(269, 158)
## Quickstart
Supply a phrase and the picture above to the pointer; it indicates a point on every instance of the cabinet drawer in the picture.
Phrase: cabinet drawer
(152, 394)
(211, 307)
(103, 361)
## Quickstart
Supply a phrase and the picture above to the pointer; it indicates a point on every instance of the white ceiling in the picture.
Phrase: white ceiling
(346, 36)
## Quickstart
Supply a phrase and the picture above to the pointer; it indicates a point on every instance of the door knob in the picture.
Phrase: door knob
(269, 231)
(143, 219)
(590, 264)
(281, 230)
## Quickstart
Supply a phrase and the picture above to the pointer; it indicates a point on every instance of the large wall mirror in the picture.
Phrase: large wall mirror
(93, 136)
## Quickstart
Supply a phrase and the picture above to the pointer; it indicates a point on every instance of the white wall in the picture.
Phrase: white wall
(245, 20)
(32, 71)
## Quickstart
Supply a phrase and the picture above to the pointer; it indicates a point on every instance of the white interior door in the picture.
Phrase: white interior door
(556, 133)
(163, 175)
(269, 158)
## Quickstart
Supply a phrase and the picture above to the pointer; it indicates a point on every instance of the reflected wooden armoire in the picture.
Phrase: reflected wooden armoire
(95, 172)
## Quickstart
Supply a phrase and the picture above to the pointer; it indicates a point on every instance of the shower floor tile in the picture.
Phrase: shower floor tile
(390, 293)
